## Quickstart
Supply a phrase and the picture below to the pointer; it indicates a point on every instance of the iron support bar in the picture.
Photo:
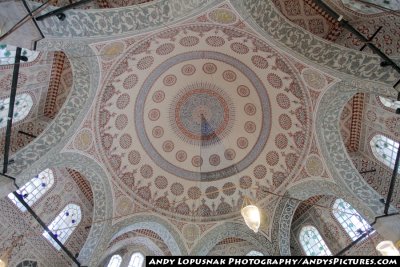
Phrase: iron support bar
(371, 170)
(27, 134)
(392, 182)
(59, 11)
(361, 237)
(11, 108)
(372, 37)
(37, 218)
(354, 31)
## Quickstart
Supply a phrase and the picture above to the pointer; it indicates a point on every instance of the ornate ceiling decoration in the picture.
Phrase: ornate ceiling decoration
(194, 116)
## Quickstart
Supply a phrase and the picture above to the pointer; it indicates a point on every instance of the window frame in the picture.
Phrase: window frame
(329, 252)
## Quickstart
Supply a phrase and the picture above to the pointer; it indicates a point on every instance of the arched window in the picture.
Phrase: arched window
(64, 224)
(115, 261)
(254, 253)
(350, 219)
(136, 260)
(27, 263)
(34, 189)
(390, 103)
(22, 106)
(312, 242)
(384, 149)
(7, 54)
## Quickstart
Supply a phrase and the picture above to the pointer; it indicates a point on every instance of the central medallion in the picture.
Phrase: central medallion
(202, 114)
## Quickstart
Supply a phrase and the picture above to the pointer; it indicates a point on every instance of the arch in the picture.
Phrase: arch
(33, 190)
(332, 146)
(351, 221)
(22, 107)
(286, 207)
(229, 229)
(384, 149)
(27, 263)
(64, 224)
(136, 260)
(115, 261)
(96, 242)
(144, 245)
(164, 229)
(254, 253)
(312, 243)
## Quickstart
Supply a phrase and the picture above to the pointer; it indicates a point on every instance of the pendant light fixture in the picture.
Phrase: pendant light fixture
(387, 248)
(251, 214)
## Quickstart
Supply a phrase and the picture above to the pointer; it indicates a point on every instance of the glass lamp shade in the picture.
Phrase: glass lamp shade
(2, 263)
(251, 216)
(387, 248)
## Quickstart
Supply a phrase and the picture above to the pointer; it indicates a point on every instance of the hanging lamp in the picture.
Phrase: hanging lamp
(387, 248)
(251, 214)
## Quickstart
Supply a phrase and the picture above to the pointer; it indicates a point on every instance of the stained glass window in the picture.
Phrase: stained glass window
(312, 242)
(7, 54)
(254, 253)
(136, 260)
(350, 219)
(64, 224)
(390, 103)
(384, 149)
(115, 261)
(22, 106)
(34, 189)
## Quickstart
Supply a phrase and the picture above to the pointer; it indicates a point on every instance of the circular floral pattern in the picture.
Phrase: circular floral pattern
(146, 171)
(281, 141)
(177, 189)
(209, 68)
(161, 182)
(181, 156)
(260, 171)
(230, 154)
(214, 160)
(125, 141)
(168, 146)
(250, 109)
(145, 63)
(222, 16)
(169, 80)
(197, 161)
(121, 121)
(154, 114)
(229, 188)
(275, 80)
(212, 192)
(83, 140)
(123, 101)
(158, 96)
(250, 127)
(314, 79)
(130, 81)
(158, 132)
(272, 158)
(229, 76)
(194, 192)
(242, 142)
(189, 41)
(285, 121)
(215, 41)
(240, 48)
(245, 182)
(314, 166)
(243, 91)
(188, 69)
(124, 205)
(165, 49)
(283, 101)
(259, 62)
(134, 157)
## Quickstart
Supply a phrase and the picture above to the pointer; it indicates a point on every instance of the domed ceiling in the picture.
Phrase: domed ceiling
(194, 116)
